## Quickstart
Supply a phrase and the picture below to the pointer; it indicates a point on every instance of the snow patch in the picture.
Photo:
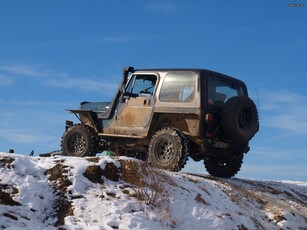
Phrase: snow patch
(32, 186)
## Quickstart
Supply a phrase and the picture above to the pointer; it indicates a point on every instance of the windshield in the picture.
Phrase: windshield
(141, 85)
(220, 89)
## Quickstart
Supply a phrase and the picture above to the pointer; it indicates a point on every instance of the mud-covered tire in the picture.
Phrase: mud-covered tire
(239, 119)
(223, 167)
(79, 141)
(168, 149)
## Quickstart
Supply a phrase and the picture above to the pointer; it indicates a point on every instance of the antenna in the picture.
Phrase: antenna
(253, 80)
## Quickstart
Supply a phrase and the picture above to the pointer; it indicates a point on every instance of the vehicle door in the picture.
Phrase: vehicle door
(135, 109)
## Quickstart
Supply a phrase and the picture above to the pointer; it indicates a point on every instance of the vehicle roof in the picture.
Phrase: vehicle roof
(199, 70)
(172, 69)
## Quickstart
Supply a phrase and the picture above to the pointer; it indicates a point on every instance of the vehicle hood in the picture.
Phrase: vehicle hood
(95, 106)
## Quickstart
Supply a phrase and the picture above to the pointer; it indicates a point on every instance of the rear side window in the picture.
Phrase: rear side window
(178, 87)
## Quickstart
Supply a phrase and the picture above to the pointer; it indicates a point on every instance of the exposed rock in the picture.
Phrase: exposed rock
(6, 161)
(6, 199)
(94, 174)
(10, 216)
(111, 172)
(58, 174)
(60, 182)
(63, 208)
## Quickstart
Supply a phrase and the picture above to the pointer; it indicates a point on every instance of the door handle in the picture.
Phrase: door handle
(147, 102)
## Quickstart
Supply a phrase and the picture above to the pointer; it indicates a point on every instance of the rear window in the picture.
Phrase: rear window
(221, 89)
(178, 87)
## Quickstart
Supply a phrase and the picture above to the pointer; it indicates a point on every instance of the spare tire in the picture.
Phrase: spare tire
(239, 119)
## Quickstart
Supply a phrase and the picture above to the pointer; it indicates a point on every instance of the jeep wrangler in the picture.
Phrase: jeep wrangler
(164, 116)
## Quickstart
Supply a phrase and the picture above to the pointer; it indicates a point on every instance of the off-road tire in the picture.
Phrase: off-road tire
(223, 167)
(239, 119)
(79, 141)
(168, 149)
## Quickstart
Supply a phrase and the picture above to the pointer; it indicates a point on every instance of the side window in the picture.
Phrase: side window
(178, 87)
(141, 85)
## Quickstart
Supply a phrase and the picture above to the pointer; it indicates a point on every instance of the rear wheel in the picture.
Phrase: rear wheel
(168, 149)
(223, 167)
(79, 141)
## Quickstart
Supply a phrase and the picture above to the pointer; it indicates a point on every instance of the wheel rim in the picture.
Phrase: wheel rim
(77, 144)
(221, 164)
(165, 150)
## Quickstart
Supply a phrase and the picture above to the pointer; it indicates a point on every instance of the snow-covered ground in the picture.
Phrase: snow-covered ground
(121, 193)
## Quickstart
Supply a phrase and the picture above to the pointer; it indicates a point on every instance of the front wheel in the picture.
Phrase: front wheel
(168, 149)
(79, 141)
(223, 167)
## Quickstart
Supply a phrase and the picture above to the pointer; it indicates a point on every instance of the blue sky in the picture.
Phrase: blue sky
(56, 54)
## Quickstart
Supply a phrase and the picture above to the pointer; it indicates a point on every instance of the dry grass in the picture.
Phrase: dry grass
(151, 187)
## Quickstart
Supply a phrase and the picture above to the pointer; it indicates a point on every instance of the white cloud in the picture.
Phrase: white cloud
(5, 80)
(24, 70)
(274, 172)
(87, 84)
(285, 111)
(118, 39)
(24, 136)
(279, 154)
(275, 164)
(33, 103)
(265, 163)
(27, 125)
(165, 7)
(58, 79)
(151, 37)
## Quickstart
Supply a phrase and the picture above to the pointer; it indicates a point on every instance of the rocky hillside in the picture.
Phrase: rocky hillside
(122, 193)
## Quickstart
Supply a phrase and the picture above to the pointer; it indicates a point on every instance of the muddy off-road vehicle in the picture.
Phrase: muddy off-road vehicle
(164, 116)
